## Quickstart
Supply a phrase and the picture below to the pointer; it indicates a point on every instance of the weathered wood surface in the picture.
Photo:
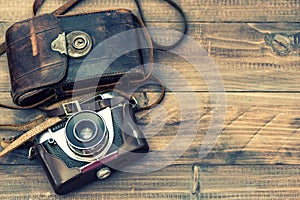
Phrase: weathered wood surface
(208, 11)
(216, 182)
(257, 156)
(245, 62)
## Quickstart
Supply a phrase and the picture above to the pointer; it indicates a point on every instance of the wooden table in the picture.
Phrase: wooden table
(257, 154)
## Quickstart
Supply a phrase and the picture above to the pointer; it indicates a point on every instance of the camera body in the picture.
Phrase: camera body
(87, 145)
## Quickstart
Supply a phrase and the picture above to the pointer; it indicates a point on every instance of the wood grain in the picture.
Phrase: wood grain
(249, 182)
(238, 51)
(173, 182)
(264, 132)
(256, 155)
(31, 183)
(203, 10)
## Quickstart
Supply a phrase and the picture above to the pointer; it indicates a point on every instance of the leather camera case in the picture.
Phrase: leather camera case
(40, 74)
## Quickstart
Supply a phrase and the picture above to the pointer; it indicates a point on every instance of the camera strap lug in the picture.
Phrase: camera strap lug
(31, 153)
(71, 107)
(134, 103)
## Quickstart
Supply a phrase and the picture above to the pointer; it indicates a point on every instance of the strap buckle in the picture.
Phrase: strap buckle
(69, 107)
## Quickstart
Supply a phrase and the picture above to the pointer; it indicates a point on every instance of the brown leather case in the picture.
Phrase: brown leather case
(39, 74)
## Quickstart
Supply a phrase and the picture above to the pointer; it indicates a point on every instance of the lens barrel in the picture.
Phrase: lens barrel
(86, 133)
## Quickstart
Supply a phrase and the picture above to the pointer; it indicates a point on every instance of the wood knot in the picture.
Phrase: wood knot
(196, 179)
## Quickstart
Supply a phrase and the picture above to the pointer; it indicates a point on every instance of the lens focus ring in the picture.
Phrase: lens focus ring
(86, 133)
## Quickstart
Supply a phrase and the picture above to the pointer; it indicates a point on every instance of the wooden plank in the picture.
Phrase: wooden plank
(30, 182)
(249, 182)
(262, 116)
(259, 128)
(173, 182)
(207, 11)
(240, 54)
(238, 50)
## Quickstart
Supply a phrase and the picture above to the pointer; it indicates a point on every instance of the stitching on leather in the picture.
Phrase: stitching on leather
(11, 29)
(45, 67)
(28, 36)
(47, 83)
(96, 12)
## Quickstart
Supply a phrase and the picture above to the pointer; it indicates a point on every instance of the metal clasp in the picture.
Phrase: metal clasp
(75, 44)
(68, 107)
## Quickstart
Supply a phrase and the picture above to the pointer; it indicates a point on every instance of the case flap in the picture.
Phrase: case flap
(101, 26)
(38, 71)
(32, 63)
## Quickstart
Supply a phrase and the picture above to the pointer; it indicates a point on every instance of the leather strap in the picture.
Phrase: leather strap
(2, 48)
(64, 8)
(131, 80)
(67, 6)
(160, 98)
(26, 107)
(30, 134)
(71, 3)
(36, 5)
(58, 112)
(24, 126)
(72, 107)
(184, 31)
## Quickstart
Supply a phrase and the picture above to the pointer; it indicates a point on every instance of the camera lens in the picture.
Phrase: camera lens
(86, 133)
(85, 130)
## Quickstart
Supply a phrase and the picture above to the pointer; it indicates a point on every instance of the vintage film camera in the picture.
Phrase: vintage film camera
(89, 144)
